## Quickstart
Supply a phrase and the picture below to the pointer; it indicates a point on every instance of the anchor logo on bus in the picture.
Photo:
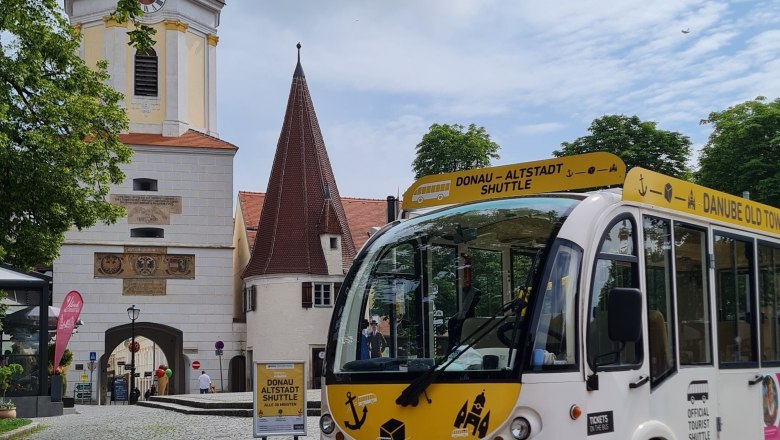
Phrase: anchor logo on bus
(362, 401)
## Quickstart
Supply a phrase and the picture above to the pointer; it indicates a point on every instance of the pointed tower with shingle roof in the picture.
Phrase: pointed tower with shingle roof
(303, 228)
(303, 245)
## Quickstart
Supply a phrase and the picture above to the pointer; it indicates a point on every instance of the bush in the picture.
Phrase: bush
(6, 373)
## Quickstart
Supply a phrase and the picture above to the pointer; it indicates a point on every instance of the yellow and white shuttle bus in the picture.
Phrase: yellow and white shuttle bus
(522, 310)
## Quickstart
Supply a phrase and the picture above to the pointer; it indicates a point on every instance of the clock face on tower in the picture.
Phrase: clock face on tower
(150, 6)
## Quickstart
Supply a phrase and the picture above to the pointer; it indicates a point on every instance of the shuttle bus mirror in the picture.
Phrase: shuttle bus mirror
(624, 325)
(625, 314)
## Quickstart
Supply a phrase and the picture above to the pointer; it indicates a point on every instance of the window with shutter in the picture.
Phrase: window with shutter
(253, 299)
(306, 296)
(146, 73)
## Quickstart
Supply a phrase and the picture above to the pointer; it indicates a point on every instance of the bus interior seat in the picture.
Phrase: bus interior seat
(659, 342)
(734, 343)
(489, 346)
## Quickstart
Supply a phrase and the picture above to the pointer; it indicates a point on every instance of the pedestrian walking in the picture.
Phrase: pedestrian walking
(204, 381)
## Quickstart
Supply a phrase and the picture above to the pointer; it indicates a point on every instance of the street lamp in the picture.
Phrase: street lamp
(132, 313)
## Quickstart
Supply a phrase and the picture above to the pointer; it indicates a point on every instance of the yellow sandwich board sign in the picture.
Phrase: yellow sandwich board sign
(279, 398)
(647, 186)
(566, 173)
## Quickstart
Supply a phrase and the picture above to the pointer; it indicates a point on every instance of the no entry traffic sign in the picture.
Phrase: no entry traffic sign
(195, 365)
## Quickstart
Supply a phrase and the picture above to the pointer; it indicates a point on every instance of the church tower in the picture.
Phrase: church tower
(172, 88)
(171, 256)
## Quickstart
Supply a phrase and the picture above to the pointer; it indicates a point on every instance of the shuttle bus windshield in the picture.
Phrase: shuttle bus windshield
(442, 292)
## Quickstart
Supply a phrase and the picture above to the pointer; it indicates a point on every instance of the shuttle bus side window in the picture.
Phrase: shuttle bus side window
(556, 329)
(616, 266)
(660, 311)
(694, 335)
(734, 287)
(769, 286)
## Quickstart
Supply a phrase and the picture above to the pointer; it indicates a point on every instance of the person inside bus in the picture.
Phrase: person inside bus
(376, 340)
(364, 352)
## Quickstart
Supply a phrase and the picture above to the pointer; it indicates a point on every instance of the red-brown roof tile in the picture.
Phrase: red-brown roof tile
(300, 187)
(362, 215)
(190, 139)
(251, 205)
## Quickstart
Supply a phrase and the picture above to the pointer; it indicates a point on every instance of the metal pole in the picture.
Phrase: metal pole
(132, 362)
(221, 384)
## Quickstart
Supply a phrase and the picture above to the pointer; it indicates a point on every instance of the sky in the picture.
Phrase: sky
(534, 74)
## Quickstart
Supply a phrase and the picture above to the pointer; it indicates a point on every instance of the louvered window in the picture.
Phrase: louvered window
(146, 73)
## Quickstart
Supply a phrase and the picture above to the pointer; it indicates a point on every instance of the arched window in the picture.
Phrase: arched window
(146, 73)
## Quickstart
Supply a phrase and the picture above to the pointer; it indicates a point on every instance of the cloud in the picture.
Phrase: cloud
(534, 74)
(545, 127)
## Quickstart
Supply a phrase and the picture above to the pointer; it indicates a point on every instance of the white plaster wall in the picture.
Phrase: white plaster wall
(202, 178)
(333, 257)
(280, 329)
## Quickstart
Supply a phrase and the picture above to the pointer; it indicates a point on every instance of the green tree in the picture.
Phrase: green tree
(447, 148)
(743, 151)
(141, 36)
(638, 143)
(59, 127)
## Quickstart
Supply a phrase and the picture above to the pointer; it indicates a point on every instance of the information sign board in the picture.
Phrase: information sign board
(83, 390)
(279, 398)
(120, 390)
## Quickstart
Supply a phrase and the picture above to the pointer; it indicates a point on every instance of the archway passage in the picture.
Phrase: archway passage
(169, 339)
(237, 374)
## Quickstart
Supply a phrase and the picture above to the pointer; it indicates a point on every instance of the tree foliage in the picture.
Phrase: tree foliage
(447, 148)
(636, 142)
(141, 37)
(59, 134)
(743, 151)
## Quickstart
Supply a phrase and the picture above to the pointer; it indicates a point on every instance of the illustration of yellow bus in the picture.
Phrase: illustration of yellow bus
(433, 190)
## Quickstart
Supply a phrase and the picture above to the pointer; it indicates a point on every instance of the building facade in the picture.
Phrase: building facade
(171, 256)
(262, 283)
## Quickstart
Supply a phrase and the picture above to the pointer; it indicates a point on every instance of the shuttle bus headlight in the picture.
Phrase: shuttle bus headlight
(326, 424)
(520, 428)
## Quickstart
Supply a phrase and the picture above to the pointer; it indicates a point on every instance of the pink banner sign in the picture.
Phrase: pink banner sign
(66, 323)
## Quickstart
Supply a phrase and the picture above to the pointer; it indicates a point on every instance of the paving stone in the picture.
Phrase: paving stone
(133, 422)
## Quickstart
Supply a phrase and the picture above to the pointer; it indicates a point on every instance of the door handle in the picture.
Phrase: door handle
(756, 379)
(639, 382)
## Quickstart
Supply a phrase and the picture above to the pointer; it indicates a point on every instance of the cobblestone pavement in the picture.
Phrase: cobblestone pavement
(119, 422)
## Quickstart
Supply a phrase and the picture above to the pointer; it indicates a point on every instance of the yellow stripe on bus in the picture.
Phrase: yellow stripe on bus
(566, 173)
(657, 189)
